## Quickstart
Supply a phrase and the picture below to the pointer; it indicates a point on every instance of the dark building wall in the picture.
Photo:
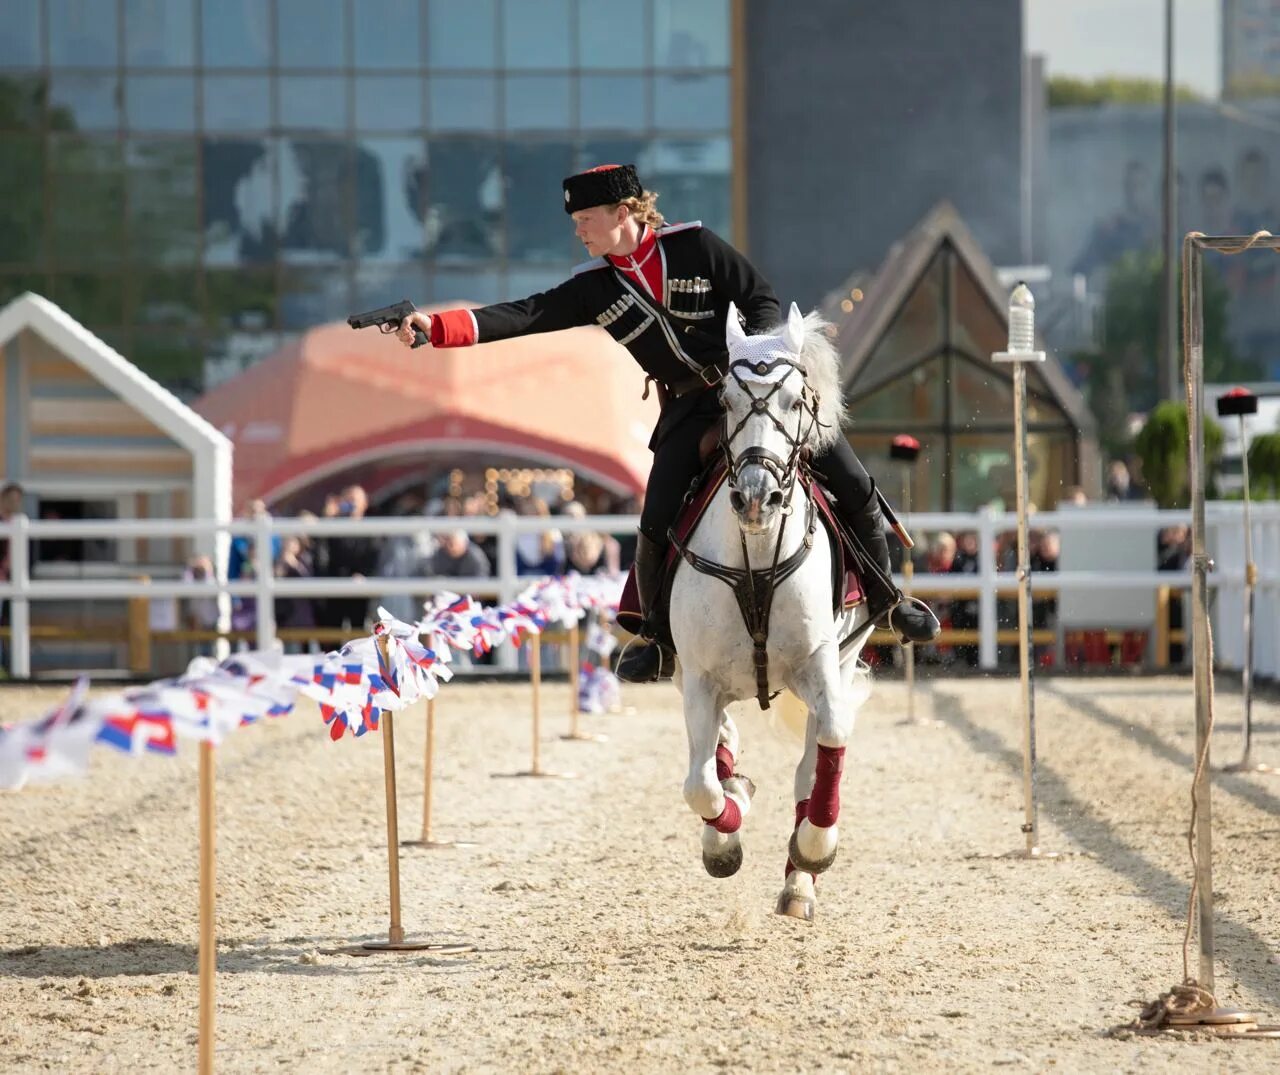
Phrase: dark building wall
(861, 115)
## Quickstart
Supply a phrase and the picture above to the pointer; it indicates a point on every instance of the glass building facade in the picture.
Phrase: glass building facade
(195, 180)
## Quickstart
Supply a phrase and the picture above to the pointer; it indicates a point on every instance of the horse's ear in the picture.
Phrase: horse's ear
(733, 334)
(793, 331)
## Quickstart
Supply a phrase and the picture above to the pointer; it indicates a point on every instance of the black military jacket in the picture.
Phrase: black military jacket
(702, 274)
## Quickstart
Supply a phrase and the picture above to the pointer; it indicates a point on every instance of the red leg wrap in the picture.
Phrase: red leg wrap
(802, 811)
(824, 807)
(724, 763)
(730, 819)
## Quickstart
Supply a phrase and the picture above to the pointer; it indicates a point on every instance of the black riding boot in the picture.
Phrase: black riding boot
(645, 660)
(910, 619)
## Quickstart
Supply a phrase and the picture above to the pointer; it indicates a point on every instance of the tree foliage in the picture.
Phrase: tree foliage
(1066, 92)
(1264, 465)
(1164, 448)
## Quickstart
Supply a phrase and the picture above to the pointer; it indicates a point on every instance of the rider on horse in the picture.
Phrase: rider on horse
(663, 292)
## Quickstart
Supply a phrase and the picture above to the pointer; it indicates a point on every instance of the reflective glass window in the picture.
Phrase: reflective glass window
(22, 188)
(380, 285)
(238, 179)
(84, 102)
(612, 102)
(979, 329)
(979, 394)
(317, 103)
(386, 34)
(176, 359)
(388, 102)
(692, 175)
(466, 199)
(164, 224)
(237, 103)
(611, 35)
(24, 103)
(597, 151)
(537, 102)
(523, 281)
(461, 285)
(691, 102)
(86, 189)
(83, 33)
(927, 493)
(537, 227)
(91, 298)
(164, 298)
(462, 34)
(310, 33)
(160, 102)
(310, 297)
(240, 300)
(536, 35)
(159, 33)
(691, 34)
(236, 33)
(462, 103)
(917, 396)
(391, 199)
(20, 43)
(917, 328)
(315, 200)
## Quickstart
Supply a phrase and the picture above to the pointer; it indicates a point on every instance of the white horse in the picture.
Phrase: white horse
(781, 396)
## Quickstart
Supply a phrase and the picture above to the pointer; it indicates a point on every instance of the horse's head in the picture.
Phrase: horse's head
(781, 397)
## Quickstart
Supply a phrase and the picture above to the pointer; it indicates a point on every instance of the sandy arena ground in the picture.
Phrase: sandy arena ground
(602, 944)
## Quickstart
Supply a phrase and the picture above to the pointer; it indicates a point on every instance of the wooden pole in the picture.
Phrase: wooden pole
(427, 838)
(908, 574)
(535, 678)
(576, 734)
(396, 933)
(208, 959)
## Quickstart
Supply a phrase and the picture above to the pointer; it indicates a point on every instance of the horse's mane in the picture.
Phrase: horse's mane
(820, 363)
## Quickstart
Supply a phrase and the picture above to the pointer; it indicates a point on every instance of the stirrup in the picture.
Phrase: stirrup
(902, 639)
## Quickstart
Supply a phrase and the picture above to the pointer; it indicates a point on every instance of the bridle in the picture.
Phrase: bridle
(754, 587)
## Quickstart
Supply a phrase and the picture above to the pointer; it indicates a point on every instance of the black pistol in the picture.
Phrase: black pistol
(388, 319)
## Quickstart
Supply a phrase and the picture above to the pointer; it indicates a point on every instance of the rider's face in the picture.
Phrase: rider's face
(600, 228)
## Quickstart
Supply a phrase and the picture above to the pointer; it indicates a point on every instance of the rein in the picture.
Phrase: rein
(753, 588)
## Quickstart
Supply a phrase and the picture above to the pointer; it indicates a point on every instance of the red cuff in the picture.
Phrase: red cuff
(453, 328)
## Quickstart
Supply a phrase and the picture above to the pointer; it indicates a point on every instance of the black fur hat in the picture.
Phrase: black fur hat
(605, 185)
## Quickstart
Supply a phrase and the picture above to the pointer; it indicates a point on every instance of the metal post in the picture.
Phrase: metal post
(908, 573)
(19, 605)
(208, 955)
(1193, 344)
(1021, 351)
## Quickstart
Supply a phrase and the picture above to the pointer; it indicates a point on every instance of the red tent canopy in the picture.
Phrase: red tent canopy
(335, 399)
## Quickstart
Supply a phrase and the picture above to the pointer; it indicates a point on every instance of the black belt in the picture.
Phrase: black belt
(708, 377)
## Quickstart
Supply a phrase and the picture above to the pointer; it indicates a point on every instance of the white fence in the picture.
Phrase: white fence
(1085, 532)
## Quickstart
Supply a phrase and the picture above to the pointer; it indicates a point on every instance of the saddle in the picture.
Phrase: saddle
(846, 586)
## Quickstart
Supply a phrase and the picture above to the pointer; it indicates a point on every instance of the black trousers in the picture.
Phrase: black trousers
(676, 465)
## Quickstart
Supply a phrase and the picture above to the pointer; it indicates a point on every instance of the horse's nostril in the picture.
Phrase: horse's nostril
(735, 500)
(774, 499)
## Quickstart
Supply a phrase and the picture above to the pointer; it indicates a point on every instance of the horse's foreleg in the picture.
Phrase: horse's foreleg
(798, 897)
(815, 840)
(721, 802)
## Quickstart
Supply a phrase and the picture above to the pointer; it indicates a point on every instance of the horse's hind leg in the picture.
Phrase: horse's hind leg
(816, 838)
(721, 803)
(798, 898)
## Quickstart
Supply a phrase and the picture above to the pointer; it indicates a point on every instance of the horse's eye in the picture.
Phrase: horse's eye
(797, 405)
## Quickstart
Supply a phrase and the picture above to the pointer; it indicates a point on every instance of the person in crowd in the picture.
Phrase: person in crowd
(347, 557)
(294, 563)
(455, 557)
(664, 292)
(540, 553)
(964, 613)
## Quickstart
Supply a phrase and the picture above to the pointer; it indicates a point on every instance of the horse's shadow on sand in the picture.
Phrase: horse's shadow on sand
(146, 956)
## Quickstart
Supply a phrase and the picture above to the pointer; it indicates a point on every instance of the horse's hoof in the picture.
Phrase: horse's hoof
(791, 905)
(809, 865)
(725, 865)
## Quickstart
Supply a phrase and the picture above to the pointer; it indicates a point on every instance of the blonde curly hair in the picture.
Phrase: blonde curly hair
(645, 209)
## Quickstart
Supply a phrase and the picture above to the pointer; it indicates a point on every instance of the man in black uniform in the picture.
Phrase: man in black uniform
(663, 292)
